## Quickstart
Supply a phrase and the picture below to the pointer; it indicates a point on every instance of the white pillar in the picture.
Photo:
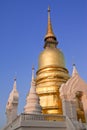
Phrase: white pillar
(14, 110)
(66, 107)
(73, 110)
(69, 108)
(84, 101)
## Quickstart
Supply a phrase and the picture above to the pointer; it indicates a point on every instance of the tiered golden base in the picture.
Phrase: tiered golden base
(48, 82)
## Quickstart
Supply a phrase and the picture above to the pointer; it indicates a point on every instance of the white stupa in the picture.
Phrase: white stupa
(32, 101)
(12, 104)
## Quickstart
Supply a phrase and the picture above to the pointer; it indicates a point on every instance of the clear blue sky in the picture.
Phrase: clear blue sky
(22, 29)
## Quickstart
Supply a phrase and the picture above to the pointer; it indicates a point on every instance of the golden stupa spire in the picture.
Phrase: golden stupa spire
(50, 36)
(49, 27)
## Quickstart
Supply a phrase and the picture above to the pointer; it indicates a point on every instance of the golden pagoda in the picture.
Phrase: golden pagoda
(51, 73)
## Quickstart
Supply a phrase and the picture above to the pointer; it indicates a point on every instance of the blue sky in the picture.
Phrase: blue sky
(23, 25)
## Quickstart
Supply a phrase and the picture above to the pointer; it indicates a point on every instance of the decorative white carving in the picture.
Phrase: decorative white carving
(74, 84)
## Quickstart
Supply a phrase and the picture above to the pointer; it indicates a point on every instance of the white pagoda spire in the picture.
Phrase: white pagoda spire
(32, 101)
(12, 104)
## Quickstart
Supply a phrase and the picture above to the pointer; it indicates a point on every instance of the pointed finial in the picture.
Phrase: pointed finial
(14, 86)
(74, 72)
(50, 37)
(48, 8)
(33, 72)
(49, 11)
(14, 78)
(33, 67)
(49, 33)
(74, 65)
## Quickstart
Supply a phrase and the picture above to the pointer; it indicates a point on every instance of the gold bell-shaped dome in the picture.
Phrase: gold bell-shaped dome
(51, 57)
